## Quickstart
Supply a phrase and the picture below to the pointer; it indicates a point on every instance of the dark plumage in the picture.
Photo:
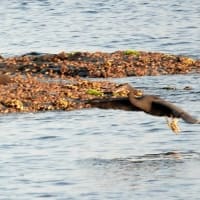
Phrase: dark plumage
(117, 103)
(157, 106)
(150, 104)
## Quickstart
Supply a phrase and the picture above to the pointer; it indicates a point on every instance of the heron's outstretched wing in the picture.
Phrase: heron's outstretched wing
(120, 103)
(171, 110)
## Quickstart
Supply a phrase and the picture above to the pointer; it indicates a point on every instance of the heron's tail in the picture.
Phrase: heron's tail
(190, 119)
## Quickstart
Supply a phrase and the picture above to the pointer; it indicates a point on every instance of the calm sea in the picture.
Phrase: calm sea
(101, 25)
(102, 154)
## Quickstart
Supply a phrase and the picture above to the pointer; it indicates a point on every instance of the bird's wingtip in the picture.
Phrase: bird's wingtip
(195, 121)
(198, 121)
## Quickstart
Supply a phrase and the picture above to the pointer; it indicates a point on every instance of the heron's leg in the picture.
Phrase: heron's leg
(173, 124)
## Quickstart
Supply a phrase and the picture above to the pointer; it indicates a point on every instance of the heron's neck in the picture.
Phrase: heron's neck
(138, 102)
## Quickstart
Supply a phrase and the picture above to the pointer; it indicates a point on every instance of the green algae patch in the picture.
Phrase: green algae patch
(131, 52)
(94, 92)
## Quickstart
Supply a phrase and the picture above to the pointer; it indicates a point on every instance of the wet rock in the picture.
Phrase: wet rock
(75, 71)
(169, 87)
(37, 82)
(187, 88)
(29, 93)
(34, 53)
(101, 64)
(5, 79)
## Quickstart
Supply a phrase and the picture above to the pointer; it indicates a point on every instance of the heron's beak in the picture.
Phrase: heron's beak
(173, 124)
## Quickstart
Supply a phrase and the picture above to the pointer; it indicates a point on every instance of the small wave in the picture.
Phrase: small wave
(46, 137)
(171, 155)
(167, 157)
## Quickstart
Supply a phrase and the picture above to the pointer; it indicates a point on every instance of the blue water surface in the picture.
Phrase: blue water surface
(66, 25)
(102, 154)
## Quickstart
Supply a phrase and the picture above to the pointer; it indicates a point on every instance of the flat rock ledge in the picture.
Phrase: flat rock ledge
(45, 82)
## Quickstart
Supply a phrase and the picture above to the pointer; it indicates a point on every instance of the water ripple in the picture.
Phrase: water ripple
(93, 26)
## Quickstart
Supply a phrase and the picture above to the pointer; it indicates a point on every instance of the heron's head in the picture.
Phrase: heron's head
(127, 88)
(137, 93)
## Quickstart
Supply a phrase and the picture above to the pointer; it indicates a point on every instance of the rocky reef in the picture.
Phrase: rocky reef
(38, 82)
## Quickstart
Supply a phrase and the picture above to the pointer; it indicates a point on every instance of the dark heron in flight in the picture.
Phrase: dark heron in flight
(150, 104)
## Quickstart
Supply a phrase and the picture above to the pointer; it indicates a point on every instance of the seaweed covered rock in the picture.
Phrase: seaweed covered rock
(100, 64)
(39, 81)
(33, 94)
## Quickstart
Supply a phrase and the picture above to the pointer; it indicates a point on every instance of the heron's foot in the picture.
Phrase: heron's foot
(173, 124)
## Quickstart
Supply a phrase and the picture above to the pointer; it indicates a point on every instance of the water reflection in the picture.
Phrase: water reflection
(136, 174)
(140, 161)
